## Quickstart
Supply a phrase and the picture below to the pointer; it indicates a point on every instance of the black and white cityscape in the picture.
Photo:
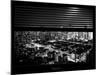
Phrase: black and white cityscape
(49, 37)
(52, 47)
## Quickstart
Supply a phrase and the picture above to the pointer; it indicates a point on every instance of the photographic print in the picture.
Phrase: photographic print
(51, 37)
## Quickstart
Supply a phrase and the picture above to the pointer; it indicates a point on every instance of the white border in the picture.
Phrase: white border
(5, 37)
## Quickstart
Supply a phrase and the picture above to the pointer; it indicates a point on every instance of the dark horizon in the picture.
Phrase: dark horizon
(26, 15)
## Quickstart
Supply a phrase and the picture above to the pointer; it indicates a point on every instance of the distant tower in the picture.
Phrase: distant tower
(70, 25)
(61, 26)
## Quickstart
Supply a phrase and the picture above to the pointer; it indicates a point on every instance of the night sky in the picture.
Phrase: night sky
(53, 17)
